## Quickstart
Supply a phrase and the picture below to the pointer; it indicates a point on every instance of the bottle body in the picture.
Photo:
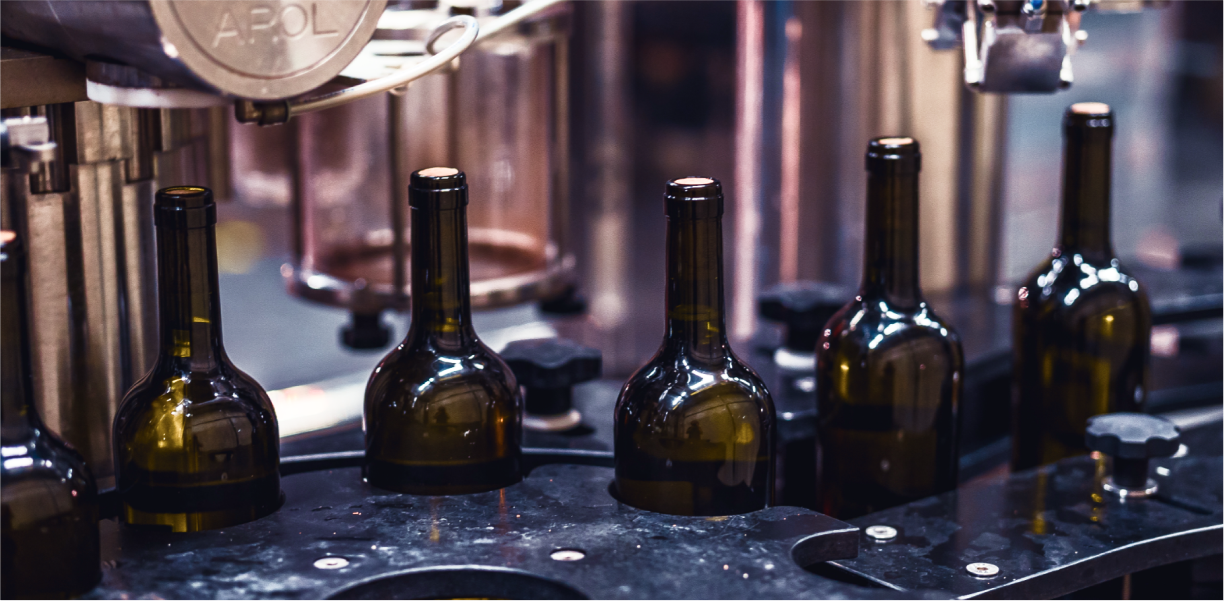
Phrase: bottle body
(49, 542)
(443, 412)
(694, 439)
(197, 445)
(888, 383)
(889, 370)
(1081, 323)
(1076, 359)
(51, 548)
(196, 450)
(695, 427)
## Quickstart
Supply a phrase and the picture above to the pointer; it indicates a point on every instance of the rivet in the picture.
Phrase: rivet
(881, 532)
(982, 570)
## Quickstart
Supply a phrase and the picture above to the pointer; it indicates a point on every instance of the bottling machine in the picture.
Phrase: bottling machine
(306, 118)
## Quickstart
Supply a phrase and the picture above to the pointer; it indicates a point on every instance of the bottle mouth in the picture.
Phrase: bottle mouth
(894, 154)
(694, 196)
(438, 188)
(1089, 116)
(184, 207)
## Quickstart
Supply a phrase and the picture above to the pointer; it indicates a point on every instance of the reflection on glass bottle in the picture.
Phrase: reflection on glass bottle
(50, 545)
(694, 427)
(196, 440)
(443, 414)
(888, 370)
(1081, 324)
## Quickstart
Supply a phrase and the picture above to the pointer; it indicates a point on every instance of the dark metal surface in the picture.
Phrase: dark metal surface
(627, 553)
(1050, 531)
(32, 78)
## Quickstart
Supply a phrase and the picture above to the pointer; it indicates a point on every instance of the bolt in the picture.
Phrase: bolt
(982, 570)
(881, 533)
(330, 563)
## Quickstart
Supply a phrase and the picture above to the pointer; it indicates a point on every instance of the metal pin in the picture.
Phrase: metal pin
(982, 570)
(567, 555)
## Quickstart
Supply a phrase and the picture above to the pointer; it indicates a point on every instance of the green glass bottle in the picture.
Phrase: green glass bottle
(443, 413)
(196, 440)
(49, 547)
(694, 427)
(1082, 326)
(888, 370)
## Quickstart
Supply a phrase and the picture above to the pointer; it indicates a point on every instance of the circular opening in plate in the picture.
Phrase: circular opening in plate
(460, 582)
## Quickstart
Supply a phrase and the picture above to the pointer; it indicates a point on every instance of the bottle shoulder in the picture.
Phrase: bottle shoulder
(191, 400)
(874, 326)
(1065, 283)
(676, 382)
(47, 465)
(425, 371)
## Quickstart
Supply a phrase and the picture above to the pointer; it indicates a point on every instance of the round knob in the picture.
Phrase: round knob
(805, 308)
(365, 331)
(1132, 439)
(548, 369)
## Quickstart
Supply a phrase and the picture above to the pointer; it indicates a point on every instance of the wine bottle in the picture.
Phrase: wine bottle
(196, 440)
(1081, 323)
(443, 412)
(694, 427)
(888, 369)
(50, 546)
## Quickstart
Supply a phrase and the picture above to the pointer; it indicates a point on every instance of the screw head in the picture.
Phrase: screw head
(982, 570)
(567, 554)
(331, 563)
(881, 532)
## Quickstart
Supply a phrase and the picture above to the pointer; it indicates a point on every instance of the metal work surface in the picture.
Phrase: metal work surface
(1049, 531)
(335, 532)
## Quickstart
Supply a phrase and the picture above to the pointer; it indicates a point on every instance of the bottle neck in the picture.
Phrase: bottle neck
(696, 323)
(18, 419)
(441, 303)
(891, 257)
(189, 297)
(1086, 189)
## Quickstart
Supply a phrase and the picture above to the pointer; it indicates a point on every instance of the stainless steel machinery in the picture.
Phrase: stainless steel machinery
(243, 49)
(500, 112)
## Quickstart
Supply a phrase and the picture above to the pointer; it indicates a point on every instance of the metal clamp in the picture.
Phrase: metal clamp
(25, 143)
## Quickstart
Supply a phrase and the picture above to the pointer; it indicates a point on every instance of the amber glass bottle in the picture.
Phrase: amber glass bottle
(888, 370)
(50, 502)
(196, 440)
(1081, 323)
(443, 414)
(694, 427)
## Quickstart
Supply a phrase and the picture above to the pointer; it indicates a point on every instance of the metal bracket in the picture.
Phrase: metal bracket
(25, 143)
(1011, 45)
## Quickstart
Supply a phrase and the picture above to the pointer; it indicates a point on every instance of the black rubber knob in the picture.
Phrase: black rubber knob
(549, 368)
(805, 308)
(365, 331)
(1132, 439)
